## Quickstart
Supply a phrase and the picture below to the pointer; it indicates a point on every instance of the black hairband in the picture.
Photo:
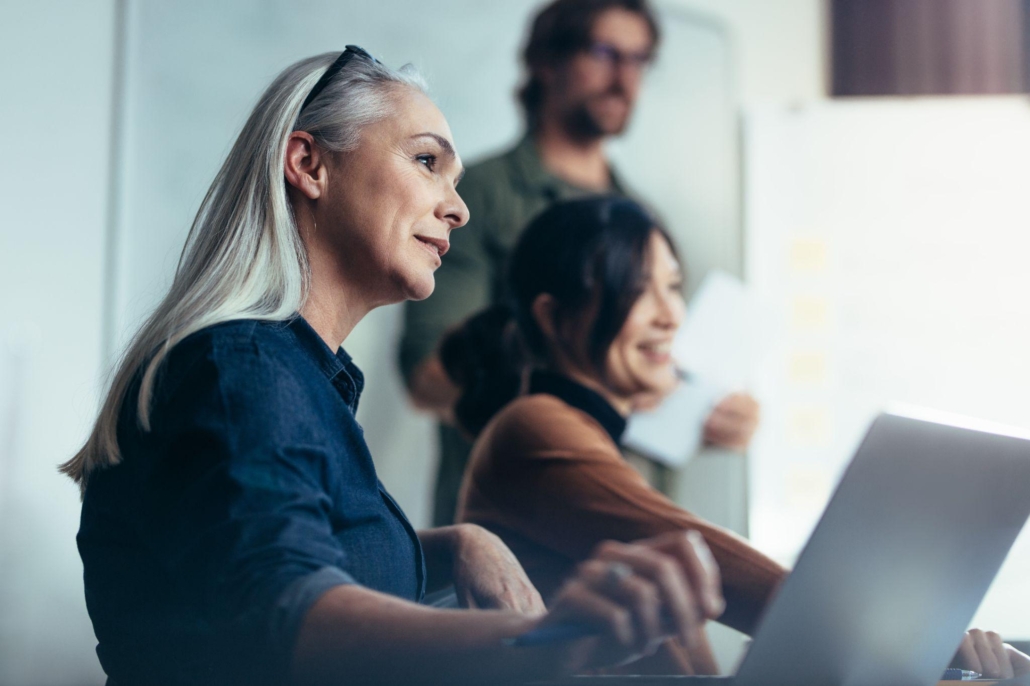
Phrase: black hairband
(334, 69)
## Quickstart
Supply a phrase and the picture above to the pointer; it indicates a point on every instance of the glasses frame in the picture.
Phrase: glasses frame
(614, 58)
(349, 53)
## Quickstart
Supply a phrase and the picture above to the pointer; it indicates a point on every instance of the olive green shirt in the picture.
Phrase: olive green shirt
(503, 194)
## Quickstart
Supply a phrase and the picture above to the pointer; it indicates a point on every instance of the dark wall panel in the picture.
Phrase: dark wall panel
(930, 47)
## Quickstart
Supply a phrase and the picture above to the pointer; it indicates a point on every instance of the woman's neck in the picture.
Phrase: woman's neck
(622, 405)
(333, 306)
(332, 321)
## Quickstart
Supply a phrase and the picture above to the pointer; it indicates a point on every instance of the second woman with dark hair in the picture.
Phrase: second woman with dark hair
(595, 298)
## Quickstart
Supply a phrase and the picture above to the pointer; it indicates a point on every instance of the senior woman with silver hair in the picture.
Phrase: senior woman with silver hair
(233, 528)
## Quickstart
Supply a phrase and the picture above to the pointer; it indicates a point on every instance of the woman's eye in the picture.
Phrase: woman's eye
(429, 161)
(676, 287)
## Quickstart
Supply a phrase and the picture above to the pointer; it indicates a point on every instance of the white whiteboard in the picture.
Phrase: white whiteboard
(888, 243)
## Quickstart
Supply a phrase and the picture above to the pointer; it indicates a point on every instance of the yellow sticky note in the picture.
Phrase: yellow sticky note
(807, 369)
(810, 313)
(808, 426)
(807, 484)
(808, 255)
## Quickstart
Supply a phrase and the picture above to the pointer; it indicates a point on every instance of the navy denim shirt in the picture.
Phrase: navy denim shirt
(252, 494)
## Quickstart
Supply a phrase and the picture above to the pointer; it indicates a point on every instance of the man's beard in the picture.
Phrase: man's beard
(583, 125)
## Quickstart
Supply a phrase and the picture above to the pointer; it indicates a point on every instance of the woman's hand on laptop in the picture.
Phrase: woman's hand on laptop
(986, 653)
(636, 595)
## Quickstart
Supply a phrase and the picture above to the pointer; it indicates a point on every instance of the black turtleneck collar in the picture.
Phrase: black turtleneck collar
(582, 398)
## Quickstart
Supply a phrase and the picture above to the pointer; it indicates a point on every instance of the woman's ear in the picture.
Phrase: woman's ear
(543, 309)
(305, 165)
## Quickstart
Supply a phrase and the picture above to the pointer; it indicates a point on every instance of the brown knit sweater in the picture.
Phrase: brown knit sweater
(550, 481)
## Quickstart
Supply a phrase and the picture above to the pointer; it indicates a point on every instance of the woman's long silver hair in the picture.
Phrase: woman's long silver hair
(244, 258)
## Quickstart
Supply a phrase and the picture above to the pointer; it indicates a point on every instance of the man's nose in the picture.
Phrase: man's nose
(628, 76)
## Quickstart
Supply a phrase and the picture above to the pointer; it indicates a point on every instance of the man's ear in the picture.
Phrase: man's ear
(543, 309)
(304, 166)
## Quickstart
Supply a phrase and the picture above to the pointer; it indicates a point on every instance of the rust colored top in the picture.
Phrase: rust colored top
(549, 479)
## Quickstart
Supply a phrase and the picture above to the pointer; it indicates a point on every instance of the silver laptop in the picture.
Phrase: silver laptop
(907, 547)
(899, 562)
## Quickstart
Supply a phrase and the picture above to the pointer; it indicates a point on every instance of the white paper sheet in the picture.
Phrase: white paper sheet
(715, 346)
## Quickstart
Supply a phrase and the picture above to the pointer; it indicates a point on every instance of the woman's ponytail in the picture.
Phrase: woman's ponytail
(484, 357)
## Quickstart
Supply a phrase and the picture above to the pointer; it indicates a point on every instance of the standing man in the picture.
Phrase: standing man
(584, 61)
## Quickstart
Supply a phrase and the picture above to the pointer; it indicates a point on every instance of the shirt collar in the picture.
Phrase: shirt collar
(338, 367)
(582, 398)
(534, 175)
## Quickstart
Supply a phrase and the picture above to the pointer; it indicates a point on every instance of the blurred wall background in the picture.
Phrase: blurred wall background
(56, 78)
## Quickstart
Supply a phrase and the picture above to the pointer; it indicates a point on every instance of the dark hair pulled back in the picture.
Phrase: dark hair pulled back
(591, 256)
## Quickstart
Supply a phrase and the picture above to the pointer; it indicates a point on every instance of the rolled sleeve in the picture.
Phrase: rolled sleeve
(297, 598)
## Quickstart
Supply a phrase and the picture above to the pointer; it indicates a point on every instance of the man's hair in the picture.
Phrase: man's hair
(560, 30)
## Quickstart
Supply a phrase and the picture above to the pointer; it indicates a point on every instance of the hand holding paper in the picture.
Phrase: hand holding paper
(716, 347)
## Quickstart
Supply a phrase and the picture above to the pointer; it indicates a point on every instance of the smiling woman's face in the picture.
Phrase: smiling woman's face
(639, 360)
(392, 202)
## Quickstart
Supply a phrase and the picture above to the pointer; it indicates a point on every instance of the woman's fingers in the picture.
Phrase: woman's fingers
(616, 619)
(597, 608)
(672, 594)
(1001, 657)
(638, 594)
(618, 578)
(703, 571)
(967, 657)
(733, 421)
(689, 586)
(644, 601)
(693, 555)
(985, 654)
(1019, 660)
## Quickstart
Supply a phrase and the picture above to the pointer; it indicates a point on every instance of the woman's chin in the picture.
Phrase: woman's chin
(420, 288)
(663, 383)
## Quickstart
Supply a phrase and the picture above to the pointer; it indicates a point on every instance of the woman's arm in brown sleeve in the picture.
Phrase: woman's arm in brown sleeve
(575, 490)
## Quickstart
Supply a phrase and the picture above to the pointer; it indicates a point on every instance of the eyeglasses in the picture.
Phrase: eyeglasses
(614, 58)
(346, 56)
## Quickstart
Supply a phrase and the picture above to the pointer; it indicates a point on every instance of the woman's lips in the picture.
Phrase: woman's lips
(438, 246)
(658, 353)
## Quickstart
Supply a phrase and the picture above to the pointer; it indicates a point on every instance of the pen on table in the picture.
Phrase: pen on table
(951, 674)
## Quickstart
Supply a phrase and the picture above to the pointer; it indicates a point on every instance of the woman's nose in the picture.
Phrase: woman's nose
(670, 312)
(454, 211)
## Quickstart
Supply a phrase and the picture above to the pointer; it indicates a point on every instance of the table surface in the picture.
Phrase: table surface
(623, 680)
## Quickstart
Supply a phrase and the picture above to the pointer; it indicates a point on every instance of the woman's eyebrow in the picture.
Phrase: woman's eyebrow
(441, 141)
(446, 146)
